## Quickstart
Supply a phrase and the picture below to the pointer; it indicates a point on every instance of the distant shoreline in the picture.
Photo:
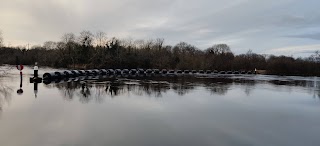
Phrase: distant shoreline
(150, 54)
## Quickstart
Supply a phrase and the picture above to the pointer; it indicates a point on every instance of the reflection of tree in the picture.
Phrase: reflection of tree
(182, 89)
(247, 84)
(316, 89)
(91, 91)
(219, 88)
(248, 89)
(217, 85)
(313, 87)
(135, 90)
(5, 69)
(115, 88)
(5, 95)
(99, 89)
(67, 89)
(85, 95)
(153, 88)
(99, 92)
(85, 92)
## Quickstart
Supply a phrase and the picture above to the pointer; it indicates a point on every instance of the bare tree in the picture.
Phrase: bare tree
(159, 43)
(315, 57)
(148, 44)
(86, 38)
(50, 45)
(219, 49)
(100, 38)
(68, 38)
(138, 43)
(113, 43)
(69, 55)
(127, 42)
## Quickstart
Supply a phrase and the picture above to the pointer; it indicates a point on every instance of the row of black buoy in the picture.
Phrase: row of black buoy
(96, 72)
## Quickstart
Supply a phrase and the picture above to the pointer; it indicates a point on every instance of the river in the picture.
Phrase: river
(242, 110)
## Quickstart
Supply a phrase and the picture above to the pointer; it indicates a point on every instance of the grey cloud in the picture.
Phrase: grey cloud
(243, 23)
(255, 17)
(315, 36)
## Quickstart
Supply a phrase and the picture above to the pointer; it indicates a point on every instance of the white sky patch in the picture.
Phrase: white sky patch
(209, 43)
(293, 50)
(152, 23)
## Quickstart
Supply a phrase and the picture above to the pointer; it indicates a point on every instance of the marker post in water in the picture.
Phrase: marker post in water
(35, 71)
(36, 79)
(20, 68)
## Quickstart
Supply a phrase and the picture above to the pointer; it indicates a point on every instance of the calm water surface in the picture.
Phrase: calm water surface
(234, 111)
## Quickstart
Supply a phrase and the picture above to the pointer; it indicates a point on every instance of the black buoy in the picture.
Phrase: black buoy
(103, 72)
(222, 72)
(164, 71)
(229, 72)
(68, 74)
(75, 73)
(49, 76)
(171, 71)
(125, 71)
(110, 72)
(89, 72)
(156, 71)
(118, 71)
(96, 72)
(133, 71)
(179, 71)
(236, 72)
(82, 72)
(149, 71)
(59, 74)
(140, 71)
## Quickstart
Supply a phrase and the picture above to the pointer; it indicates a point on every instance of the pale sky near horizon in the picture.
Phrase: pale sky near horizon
(280, 27)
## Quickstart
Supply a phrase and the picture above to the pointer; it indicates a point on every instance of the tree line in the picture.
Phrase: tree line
(88, 50)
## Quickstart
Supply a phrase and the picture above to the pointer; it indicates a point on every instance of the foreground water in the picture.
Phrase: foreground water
(232, 111)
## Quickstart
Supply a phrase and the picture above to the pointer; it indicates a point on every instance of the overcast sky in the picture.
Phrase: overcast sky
(288, 27)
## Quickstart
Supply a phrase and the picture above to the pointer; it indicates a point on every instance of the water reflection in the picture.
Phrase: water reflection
(247, 85)
(67, 89)
(219, 88)
(5, 94)
(160, 110)
(98, 88)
